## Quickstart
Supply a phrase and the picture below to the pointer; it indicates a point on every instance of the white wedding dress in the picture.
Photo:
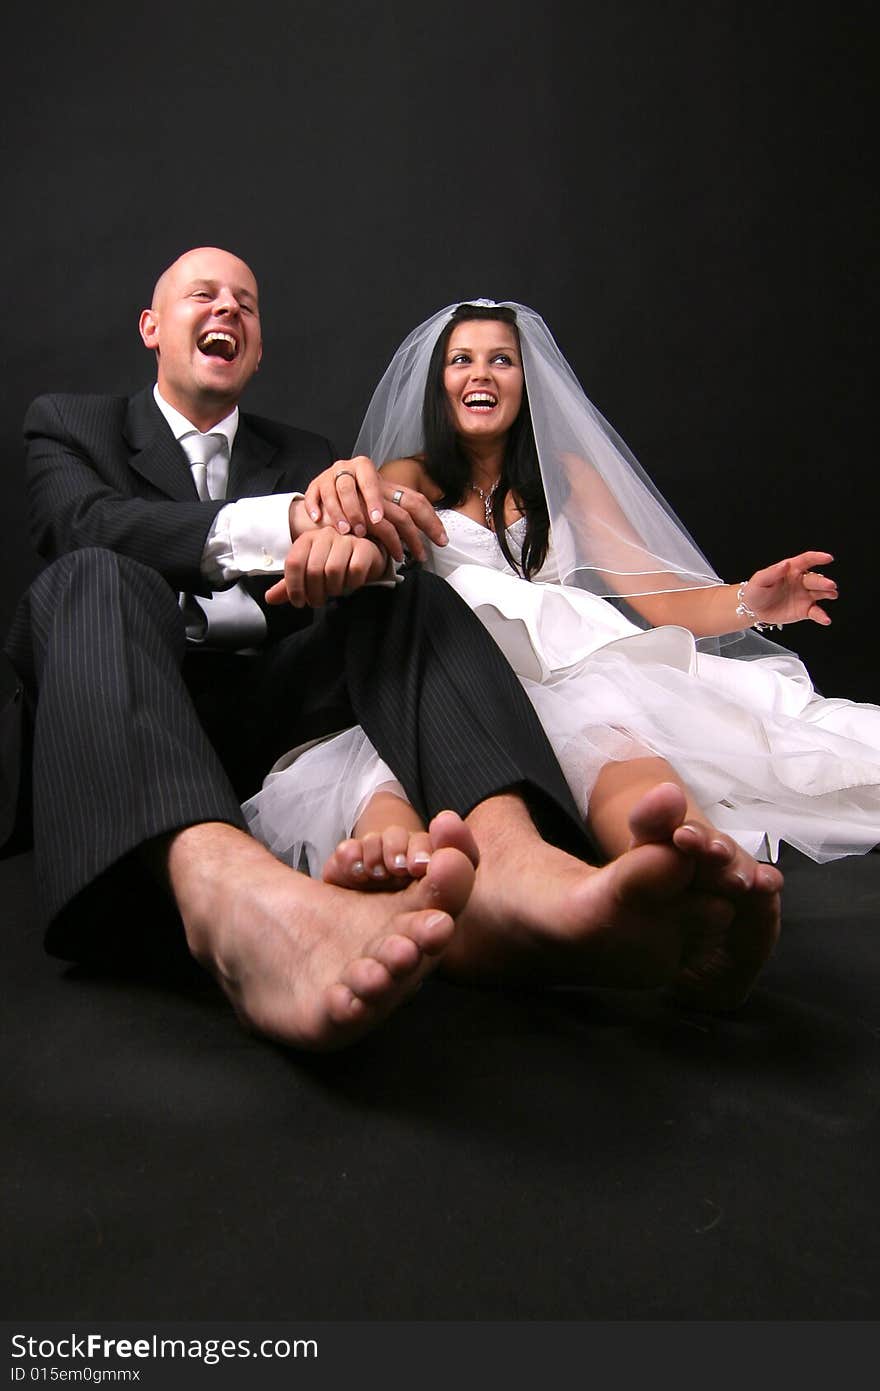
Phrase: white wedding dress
(764, 756)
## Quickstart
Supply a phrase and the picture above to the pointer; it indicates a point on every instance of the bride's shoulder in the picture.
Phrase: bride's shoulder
(411, 472)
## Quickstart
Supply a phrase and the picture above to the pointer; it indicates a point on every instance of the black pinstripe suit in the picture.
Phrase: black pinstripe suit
(134, 736)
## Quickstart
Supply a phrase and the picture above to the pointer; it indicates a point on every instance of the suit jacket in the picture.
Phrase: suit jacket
(107, 471)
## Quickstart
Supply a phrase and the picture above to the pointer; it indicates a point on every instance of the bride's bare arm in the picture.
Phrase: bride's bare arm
(409, 473)
(786, 592)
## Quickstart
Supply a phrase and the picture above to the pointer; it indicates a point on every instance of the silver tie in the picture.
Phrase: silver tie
(227, 618)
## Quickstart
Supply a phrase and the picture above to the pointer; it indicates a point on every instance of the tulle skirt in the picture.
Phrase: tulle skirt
(766, 758)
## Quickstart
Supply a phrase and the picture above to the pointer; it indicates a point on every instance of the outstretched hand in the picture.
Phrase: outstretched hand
(352, 497)
(791, 590)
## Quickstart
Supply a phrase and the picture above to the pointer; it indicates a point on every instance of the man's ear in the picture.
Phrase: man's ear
(149, 329)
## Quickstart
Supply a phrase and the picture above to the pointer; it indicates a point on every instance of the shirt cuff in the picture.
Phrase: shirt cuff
(249, 537)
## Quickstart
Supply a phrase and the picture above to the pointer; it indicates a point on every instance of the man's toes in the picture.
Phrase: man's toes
(448, 882)
(432, 931)
(448, 830)
(399, 955)
(345, 1009)
(367, 978)
(657, 814)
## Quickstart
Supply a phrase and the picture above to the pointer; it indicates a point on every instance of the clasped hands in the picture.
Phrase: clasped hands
(344, 529)
(350, 521)
(791, 590)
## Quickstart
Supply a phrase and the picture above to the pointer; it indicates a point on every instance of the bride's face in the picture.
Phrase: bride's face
(483, 378)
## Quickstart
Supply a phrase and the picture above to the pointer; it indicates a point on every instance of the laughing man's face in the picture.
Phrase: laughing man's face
(204, 324)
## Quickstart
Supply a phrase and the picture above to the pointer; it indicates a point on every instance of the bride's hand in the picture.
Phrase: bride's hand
(352, 496)
(791, 590)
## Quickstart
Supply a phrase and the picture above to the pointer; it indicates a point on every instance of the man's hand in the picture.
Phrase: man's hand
(352, 497)
(322, 565)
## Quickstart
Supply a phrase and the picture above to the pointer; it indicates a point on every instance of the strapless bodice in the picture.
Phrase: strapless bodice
(471, 543)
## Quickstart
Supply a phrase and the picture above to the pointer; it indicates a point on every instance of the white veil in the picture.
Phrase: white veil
(612, 532)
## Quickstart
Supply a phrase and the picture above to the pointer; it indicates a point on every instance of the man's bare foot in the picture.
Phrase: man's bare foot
(382, 861)
(721, 961)
(538, 915)
(308, 963)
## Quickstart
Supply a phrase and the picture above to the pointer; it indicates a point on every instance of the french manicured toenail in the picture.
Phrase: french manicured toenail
(421, 858)
(400, 862)
(358, 867)
(378, 872)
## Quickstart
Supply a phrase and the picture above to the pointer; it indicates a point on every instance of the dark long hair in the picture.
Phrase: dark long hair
(450, 468)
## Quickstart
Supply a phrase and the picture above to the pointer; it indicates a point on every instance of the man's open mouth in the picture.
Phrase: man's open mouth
(218, 344)
(480, 401)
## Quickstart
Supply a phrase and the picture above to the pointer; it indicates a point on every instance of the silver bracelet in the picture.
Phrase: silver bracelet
(743, 611)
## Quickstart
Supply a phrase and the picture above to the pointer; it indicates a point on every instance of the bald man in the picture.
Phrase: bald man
(147, 737)
(151, 721)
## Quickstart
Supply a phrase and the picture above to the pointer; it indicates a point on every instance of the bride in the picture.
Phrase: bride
(644, 667)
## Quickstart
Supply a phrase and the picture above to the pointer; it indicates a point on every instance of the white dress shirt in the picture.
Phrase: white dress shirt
(248, 537)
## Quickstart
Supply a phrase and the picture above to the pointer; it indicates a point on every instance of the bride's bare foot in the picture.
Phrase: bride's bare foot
(539, 915)
(720, 961)
(384, 860)
(307, 963)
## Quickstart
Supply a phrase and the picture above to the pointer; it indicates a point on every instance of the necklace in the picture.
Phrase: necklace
(486, 499)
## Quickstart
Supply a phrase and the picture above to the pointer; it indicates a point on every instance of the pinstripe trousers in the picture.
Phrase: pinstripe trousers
(134, 736)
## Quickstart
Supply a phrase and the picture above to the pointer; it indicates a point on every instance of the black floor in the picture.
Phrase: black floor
(575, 1155)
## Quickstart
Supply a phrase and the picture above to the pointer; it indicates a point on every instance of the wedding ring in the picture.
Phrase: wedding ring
(344, 473)
(397, 496)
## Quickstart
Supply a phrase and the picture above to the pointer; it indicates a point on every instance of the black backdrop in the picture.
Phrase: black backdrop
(682, 190)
